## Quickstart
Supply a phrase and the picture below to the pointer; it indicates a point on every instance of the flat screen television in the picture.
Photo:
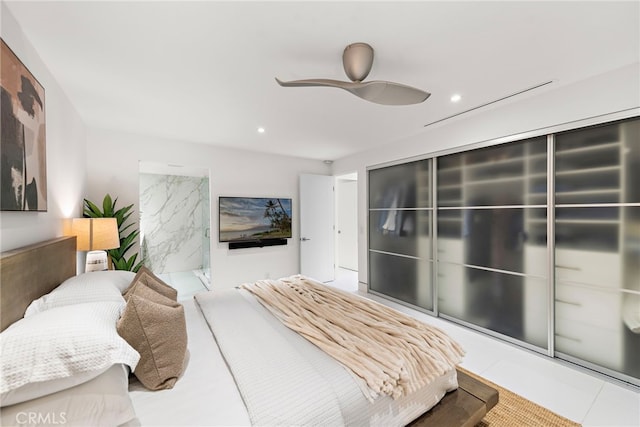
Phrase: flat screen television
(244, 219)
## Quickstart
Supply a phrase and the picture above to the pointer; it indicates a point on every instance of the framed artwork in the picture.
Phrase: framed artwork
(23, 157)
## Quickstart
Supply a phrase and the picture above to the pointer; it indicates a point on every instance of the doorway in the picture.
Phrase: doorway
(347, 230)
(175, 223)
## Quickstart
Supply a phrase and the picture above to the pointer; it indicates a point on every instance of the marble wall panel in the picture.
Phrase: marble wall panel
(172, 222)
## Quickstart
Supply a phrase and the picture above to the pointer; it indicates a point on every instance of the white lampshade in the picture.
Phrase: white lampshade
(95, 233)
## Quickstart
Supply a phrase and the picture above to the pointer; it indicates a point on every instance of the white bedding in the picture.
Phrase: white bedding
(286, 380)
(102, 401)
(206, 394)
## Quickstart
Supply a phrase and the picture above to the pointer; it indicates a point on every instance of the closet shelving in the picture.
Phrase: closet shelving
(449, 194)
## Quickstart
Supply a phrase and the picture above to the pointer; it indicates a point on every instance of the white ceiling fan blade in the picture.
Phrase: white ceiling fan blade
(379, 92)
(315, 82)
(389, 93)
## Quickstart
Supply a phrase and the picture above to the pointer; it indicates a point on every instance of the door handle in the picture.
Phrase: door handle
(567, 267)
(578, 340)
(577, 304)
(304, 239)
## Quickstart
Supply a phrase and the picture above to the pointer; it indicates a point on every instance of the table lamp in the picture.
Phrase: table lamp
(96, 235)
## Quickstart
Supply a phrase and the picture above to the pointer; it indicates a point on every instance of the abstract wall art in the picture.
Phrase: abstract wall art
(23, 159)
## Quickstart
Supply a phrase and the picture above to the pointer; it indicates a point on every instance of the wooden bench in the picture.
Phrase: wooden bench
(465, 406)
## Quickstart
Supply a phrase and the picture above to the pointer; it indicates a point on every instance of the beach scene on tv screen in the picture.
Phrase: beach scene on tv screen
(243, 218)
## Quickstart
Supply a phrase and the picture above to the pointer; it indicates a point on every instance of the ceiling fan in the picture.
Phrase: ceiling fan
(357, 60)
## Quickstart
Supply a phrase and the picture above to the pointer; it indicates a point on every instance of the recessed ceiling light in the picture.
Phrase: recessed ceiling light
(260, 130)
(456, 97)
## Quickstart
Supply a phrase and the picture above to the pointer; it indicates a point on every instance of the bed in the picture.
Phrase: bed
(207, 391)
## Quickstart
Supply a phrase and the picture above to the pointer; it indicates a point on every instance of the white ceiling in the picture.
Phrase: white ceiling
(204, 71)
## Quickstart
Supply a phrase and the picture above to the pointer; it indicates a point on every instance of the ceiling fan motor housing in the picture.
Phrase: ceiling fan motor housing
(357, 60)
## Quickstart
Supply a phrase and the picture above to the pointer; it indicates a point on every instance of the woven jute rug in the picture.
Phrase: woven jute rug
(513, 410)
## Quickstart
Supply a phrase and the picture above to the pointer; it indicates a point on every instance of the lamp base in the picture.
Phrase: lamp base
(96, 261)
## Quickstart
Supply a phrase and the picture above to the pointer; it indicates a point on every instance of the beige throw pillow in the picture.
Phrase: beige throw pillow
(145, 276)
(155, 326)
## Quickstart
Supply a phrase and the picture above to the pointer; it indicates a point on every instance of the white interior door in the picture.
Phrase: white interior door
(347, 223)
(317, 227)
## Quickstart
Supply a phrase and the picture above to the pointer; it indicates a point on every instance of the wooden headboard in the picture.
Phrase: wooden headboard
(29, 272)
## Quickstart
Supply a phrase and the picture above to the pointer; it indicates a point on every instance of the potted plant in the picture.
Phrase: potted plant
(118, 255)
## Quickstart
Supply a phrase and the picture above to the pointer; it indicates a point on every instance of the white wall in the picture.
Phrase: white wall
(65, 138)
(113, 159)
(616, 91)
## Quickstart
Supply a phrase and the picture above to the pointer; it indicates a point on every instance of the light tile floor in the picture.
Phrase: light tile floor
(185, 282)
(572, 392)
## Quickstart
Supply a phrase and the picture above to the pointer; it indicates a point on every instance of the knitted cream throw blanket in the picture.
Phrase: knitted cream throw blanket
(392, 352)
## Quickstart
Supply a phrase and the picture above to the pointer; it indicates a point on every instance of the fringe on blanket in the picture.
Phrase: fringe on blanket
(392, 352)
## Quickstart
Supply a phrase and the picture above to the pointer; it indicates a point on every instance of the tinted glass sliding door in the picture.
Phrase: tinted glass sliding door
(400, 217)
(538, 242)
(492, 208)
(597, 234)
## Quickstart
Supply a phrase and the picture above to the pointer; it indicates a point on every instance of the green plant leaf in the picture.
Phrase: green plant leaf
(125, 218)
(91, 210)
(107, 206)
(120, 264)
(125, 228)
(131, 261)
(122, 215)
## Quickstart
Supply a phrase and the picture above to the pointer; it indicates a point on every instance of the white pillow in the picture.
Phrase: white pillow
(121, 279)
(103, 401)
(99, 286)
(58, 344)
(32, 391)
